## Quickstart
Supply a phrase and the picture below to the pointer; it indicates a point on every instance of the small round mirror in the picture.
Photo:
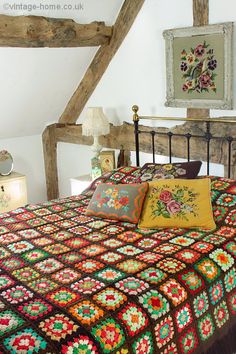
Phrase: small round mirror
(6, 163)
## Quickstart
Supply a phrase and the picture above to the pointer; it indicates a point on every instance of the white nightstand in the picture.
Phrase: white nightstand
(13, 191)
(80, 183)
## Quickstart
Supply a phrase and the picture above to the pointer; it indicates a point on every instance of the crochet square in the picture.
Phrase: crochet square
(16, 294)
(152, 275)
(109, 274)
(80, 344)
(222, 258)
(164, 331)
(206, 327)
(57, 327)
(43, 285)
(155, 303)
(200, 304)
(26, 274)
(26, 341)
(131, 266)
(86, 312)
(230, 280)
(9, 321)
(216, 292)
(144, 344)
(134, 318)
(109, 334)
(110, 298)
(34, 309)
(183, 317)
(63, 297)
(66, 276)
(174, 291)
(170, 265)
(132, 285)
(5, 281)
(89, 265)
(87, 285)
(221, 314)
(188, 341)
(192, 281)
(48, 266)
(34, 255)
(208, 269)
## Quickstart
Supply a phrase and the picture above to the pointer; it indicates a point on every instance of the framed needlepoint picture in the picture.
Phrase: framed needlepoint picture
(107, 160)
(199, 66)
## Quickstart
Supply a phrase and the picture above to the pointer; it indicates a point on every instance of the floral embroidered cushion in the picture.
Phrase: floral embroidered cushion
(122, 201)
(178, 203)
(151, 171)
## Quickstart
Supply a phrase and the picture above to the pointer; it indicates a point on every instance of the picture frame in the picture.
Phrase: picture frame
(107, 160)
(199, 66)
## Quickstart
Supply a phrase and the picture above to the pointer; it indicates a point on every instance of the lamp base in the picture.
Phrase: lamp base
(96, 147)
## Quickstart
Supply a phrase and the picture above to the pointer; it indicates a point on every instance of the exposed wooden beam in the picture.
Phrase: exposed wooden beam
(124, 135)
(50, 161)
(102, 59)
(198, 113)
(200, 18)
(200, 12)
(37, 31)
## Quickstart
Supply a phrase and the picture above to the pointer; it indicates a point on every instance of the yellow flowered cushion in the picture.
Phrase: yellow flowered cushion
(178, 203)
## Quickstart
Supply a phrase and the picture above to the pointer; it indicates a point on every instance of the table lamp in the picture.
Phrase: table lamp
(95, 124)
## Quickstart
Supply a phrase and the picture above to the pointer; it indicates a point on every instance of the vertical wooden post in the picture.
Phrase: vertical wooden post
(200, 18)
(200, 12)
(50, 161)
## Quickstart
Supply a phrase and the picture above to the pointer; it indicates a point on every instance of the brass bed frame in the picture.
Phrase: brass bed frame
(207, 136)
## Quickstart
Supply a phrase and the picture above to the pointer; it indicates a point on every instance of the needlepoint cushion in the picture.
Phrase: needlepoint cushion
(178, 203)
(151, 171)
(121, 201)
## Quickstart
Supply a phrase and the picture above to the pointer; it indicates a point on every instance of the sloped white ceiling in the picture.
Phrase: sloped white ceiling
(36, 83)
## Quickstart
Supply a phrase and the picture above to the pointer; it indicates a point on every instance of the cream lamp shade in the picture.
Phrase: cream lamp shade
(95, 124)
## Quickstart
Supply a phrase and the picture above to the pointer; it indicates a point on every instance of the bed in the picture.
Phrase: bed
(72, 283)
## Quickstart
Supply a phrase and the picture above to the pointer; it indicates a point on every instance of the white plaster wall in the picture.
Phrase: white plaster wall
(27, 153)
(37, 83)
(73, 161)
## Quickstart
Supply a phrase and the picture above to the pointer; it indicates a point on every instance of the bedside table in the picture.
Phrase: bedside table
(13, 192)
(80, 183)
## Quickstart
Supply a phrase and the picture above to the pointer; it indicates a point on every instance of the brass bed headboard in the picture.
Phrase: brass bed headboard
(207, 136)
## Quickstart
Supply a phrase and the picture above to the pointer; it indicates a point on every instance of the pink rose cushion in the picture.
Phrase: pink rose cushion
(184, 203)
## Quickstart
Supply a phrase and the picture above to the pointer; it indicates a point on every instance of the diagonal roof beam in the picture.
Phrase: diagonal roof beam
(37, 31)
(102, 59)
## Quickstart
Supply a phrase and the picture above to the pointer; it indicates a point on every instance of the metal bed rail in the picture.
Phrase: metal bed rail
(207, 136)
